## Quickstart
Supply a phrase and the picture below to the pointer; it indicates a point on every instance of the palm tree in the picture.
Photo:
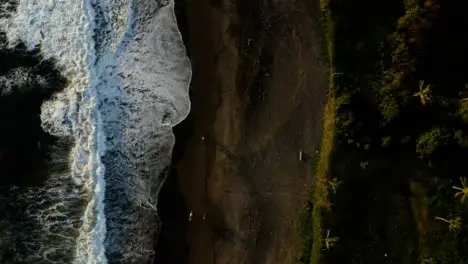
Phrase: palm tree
(462, 191)
(334, 184)
(454, 223)
(330, 241)
(424, 93)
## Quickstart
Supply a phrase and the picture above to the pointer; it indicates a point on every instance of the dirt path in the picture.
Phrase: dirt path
(258, 93)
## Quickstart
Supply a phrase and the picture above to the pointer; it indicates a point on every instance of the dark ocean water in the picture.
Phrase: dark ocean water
(26, 80)
(26, 150)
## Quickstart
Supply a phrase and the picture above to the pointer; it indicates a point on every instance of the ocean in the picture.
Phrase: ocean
(89, 93)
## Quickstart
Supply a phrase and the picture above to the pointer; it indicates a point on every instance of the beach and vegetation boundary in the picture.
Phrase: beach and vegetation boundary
(389, 183)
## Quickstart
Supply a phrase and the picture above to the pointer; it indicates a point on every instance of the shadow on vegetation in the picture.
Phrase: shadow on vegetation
(401, 141)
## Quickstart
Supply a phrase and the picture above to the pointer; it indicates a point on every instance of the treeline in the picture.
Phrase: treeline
(402, 132)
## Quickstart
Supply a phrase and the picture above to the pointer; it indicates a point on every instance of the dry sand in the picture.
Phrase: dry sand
(258, 92)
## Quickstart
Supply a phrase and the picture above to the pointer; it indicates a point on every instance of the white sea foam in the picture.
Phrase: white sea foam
(128, 86)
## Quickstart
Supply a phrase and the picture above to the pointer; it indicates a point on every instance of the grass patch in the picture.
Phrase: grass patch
(312, 218)
(321, 203)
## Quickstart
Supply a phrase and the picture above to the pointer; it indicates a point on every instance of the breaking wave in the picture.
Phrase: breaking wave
(127, 85)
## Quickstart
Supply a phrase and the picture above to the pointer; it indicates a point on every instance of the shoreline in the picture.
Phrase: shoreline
(257, 93)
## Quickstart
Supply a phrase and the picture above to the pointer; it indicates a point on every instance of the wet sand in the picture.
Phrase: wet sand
(258, 92)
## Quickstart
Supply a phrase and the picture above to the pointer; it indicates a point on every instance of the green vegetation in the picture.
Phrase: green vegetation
(454, 224)
(462, 191)
(312, 229)
(398, 145)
